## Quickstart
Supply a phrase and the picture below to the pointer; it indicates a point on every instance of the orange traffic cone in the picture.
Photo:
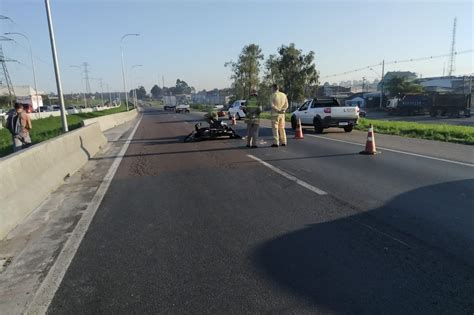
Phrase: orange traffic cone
(233, 121)
(370, 144)
(299, 130)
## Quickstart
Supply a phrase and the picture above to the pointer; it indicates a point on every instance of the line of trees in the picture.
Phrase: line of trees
(294, 71)
(181, 87)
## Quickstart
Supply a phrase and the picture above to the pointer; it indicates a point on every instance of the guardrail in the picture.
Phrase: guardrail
(29, 176)
(109, 121)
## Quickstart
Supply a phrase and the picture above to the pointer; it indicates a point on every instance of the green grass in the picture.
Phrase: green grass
(47, 128)
(444, 132)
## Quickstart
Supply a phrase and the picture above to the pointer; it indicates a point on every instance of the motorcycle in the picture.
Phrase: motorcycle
(216, 129)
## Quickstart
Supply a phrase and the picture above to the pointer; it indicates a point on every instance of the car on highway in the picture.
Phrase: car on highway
(325, 113)
(182, 108)
(235, 109)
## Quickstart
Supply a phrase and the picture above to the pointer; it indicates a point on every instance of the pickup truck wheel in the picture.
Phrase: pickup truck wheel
(318, 126)
(348, 128)
(293, 122)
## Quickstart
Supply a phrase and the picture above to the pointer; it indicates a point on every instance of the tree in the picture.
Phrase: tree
(399, 85)
(141, 93)
(156, 91)
(182, 87)
(292, 70)
(245, 72)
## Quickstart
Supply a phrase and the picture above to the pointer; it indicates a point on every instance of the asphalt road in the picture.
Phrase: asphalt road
(204, 228)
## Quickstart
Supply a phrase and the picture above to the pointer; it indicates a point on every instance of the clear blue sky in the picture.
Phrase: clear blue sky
(192, 40)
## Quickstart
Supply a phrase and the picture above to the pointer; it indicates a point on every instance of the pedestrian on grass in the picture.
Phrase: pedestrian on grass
(19, 125)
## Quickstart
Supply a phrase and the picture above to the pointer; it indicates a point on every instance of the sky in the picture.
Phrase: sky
(192, 40)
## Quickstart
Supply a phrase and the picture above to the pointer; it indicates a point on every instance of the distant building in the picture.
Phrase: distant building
(333, 91)
(459, 85)
(20, 91)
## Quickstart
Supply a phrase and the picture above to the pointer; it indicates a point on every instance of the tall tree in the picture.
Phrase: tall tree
(293, 70)
(141, 93)
(246, 70)
(398, 85)
(156, 91)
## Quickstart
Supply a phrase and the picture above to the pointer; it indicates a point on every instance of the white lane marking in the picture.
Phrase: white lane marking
(398, 151)
(380, 232)
(288, 176)
(53, 279)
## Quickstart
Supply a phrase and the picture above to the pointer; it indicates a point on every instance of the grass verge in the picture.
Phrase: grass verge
(444, 132)
(47, 128)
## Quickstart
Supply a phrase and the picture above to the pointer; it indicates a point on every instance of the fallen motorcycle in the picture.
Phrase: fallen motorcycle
(217, 129)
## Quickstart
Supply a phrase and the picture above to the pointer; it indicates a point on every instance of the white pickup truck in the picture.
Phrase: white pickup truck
(182, 109)
(325, 113)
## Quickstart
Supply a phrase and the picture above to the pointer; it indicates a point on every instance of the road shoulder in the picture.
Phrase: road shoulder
(33, 247)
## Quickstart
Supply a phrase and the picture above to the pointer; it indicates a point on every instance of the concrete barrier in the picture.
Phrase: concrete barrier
(109, 121)
(29, 176)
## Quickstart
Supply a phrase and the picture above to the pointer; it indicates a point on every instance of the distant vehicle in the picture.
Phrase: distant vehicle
(182, 108)
(236, 109)
(30, 103)
(170, 102)
(449, 104)
(409, 104)
(325, 113)
(362, 112)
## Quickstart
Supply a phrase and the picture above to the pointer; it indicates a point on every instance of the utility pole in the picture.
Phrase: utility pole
(56, 67)
(82, 84)
(453, 53)
(382, 84)
(5, 77)
(363, 84)
(86, 78)
(101, 91)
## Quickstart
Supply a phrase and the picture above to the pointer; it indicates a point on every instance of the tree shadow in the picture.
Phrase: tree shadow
(416, 259)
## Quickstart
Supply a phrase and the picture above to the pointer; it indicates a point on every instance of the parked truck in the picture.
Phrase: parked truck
(409, 104)
(170, 102)
(450, 104)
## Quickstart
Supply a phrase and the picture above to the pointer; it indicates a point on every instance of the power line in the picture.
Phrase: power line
(397, 62)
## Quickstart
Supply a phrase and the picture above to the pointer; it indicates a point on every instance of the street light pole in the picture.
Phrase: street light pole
(32, 63)
(382, 83)
(123, 67)
(133, 83)
(56, 67)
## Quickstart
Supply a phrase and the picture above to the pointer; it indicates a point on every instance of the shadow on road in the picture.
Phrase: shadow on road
(350, 266)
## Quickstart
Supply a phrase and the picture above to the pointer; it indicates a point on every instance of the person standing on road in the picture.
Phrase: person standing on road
(279, 107)
(19, 125)
(252, 111)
